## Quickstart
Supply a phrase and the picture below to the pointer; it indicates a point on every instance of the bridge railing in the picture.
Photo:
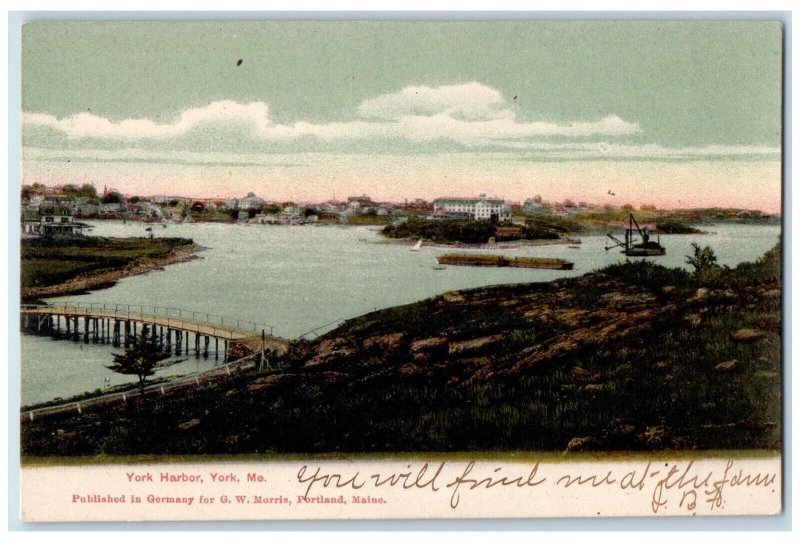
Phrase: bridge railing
(192, 379)
(328, 326)
(178, 314)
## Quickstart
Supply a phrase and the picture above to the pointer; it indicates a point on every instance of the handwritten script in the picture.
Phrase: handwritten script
(680, 485)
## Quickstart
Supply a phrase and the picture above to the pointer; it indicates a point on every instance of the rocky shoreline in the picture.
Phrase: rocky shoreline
(105, 278)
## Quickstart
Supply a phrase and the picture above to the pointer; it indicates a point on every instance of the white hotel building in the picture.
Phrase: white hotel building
(481, 208)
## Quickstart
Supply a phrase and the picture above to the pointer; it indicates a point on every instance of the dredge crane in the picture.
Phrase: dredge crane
(645, 248)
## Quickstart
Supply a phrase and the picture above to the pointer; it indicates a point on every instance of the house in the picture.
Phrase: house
(508, 232)
(84, 207)
(535, 206)
(481, 208)
(53, 216)
(112, 208)
(357, 202)
(251, 201)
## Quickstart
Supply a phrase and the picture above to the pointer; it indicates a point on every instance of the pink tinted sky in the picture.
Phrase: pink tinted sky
(320, 177)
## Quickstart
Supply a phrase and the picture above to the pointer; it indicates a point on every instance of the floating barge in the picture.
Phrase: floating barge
(645, 248)
(490, 260)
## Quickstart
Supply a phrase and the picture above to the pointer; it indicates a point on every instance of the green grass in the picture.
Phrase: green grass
(48, 261)
(368, 220)
(448, 231)
(213, 216)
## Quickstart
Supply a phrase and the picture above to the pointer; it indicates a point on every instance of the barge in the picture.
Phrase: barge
(490, 260)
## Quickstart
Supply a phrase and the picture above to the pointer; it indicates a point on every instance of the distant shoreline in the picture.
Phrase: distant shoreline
(502, 245)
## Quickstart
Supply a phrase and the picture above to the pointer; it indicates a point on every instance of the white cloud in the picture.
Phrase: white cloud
(253, 116)
(530, 152)
(597, 150)
(470, 102)
(471, 115)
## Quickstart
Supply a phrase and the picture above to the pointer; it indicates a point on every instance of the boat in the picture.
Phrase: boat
(416, 247)
(645, 248)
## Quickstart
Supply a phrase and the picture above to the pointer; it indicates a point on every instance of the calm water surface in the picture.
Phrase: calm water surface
(300, 278)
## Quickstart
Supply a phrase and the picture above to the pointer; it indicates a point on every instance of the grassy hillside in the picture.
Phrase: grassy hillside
(633, 357)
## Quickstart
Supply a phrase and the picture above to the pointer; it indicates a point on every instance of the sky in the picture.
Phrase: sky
(676, 114)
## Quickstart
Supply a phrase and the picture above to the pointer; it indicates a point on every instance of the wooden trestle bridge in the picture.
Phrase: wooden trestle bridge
(171, 329)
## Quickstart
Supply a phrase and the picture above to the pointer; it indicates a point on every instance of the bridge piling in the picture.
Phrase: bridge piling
(112, 324)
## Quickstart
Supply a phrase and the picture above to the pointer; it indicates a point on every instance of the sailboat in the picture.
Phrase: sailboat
(416, 247)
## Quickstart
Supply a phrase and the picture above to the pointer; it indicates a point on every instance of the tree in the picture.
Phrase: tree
(142, 358)
(704, 262)
(87, 190)
(69, 190)
(112, 197)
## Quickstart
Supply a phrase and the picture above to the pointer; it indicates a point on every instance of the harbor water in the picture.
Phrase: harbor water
(304, 280)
